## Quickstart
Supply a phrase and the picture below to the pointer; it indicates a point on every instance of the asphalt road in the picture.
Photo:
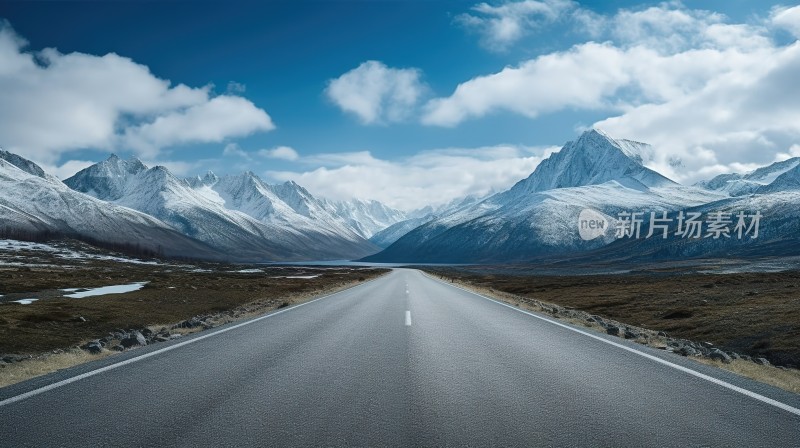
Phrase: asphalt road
(404, 360)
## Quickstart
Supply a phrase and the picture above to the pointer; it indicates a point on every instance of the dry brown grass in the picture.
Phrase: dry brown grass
(54, 322)
(44, 364)
(787, 379)
(173, 295)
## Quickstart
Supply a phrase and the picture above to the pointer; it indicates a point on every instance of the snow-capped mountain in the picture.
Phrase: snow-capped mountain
(37, 205)
(389, 235)
(736, 184)
(237, 215)
(788, 180)
(287, 205)
(394, 232)
(367, 217)
(539, 215)
(241, 217)
(291, 204)
(771, 192)
(24, 164)
(593, 159)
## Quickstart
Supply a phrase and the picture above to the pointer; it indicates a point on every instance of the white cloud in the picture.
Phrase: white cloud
(376, 93)
(430, 177)
(212, 121)
(66, 169)
(717, 96)
(280, 152)
(787, 19)
(649, 55)
(545, 84)
(794, 151)
(742, 116)
(502, 25)
(233, 150)
(54, 103)
(662, 27)
(235, 88)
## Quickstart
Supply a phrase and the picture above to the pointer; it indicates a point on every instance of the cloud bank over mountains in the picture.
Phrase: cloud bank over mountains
(711, 95)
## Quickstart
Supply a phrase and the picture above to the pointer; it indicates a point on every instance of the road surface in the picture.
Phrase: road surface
(404, 360)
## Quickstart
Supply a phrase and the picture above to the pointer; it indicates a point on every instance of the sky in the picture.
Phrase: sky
(407, 102)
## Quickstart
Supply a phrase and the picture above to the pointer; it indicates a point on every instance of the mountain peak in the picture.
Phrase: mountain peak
(210, 178)
(107, 180)
(22, 163)
(114, 165)
(597, 140)
(594, 134)
(293, 186)
(594, 158)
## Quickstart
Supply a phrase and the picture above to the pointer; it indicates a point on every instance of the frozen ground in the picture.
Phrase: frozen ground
(113, 289)
(18, 253)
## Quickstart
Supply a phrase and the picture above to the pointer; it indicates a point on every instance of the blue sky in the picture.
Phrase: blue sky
(405, 102)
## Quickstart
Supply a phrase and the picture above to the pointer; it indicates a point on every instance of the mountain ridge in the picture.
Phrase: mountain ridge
(223, 212)
(539, 214)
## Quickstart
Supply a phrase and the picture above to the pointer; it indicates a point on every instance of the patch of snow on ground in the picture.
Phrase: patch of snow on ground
(12, 263)
(25, 245)
(14, 245)
(114, 289)
(307, 277)
(24, 301)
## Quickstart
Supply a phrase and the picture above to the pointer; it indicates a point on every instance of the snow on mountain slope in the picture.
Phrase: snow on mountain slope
(736, 184)
(24, 164)
(367, 217)
(34, 204)
(788, 180)
(593, 159)
(248, 194)
(540, 214)
(389, 235)
(198, 210)
(544, 223)
(778, 227)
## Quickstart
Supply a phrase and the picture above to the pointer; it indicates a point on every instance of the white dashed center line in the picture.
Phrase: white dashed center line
(408, 318)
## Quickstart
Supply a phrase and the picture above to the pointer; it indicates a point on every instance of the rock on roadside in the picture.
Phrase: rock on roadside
(133, 339)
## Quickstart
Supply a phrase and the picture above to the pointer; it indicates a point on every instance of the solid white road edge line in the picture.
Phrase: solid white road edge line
(695, 373)
(408, 318)
(91, 373)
